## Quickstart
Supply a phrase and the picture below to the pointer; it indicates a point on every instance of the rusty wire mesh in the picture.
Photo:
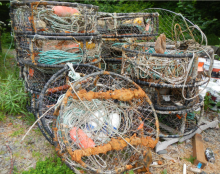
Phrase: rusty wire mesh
(86, 123)
(54, 88)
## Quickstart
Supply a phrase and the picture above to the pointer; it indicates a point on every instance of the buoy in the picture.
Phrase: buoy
(114, 120)
(84, 141)
(64, 11)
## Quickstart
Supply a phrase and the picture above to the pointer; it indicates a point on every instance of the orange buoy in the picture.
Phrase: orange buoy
(64, 11)
(84, 141)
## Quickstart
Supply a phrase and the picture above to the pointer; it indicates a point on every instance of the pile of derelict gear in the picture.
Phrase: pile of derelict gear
(103, 84)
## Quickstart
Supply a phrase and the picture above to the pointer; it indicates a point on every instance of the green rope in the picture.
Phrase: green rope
(53, 57)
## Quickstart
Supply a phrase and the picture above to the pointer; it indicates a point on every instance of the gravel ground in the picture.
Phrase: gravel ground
(26, 153)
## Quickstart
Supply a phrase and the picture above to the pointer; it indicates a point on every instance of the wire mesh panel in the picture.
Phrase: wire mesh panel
(170, 99)
(101, 126)
(54, 88)
(173, 66)
(118, 25)
(174, 125)
(50, 50)
(54, 18)
(36, 77)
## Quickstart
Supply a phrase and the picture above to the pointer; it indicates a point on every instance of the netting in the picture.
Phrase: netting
(56, 86)
(174, 66)
(100, 119)
(36, 77)
(51, 18)
(58, 50)
(119, 25)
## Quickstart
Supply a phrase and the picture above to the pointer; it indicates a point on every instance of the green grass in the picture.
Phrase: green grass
(190, 159)
(52, 165)
(18, 132)
(8, 65)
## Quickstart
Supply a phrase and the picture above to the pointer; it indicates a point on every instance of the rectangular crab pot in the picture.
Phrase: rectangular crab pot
(50, 50)
(54, 18)
(174, 66)
(119, 25)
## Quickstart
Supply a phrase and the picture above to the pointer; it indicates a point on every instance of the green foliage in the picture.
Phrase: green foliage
(18, 132)
(7, 39)
(189, 10)
(2, 116)
(208, 102)
(129, 172)
(164, 171)
(190, 159)
(50, 166)
(12, 96)
(8, 66)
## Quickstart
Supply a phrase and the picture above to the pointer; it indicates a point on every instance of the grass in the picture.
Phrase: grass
(18, 132)
(52, 165)
(9, 66)
(36, 154)
(190, 159)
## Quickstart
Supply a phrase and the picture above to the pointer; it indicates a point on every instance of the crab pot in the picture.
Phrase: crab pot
(112, 65)
(174, 66)
(112, 48)
(56, 86)
(33, 97)
(54, 18)
(179, 123)
(112, 127)
(50, 50)
(174, 125)
(166, 99)
(120, 25)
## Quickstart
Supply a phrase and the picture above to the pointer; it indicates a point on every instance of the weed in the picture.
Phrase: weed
(52, 165)
(208, 102)
(2, 116)
(190, 159)
(2, 152)
(164, 171)
(16, 125)
(36, 154)
(18, 132)
(12, 96)
(129, 172)
(29, 119)
(7, 159)
(37, 131)
(17, 154)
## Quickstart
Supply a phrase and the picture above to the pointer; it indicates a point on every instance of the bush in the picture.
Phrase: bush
(12, 96)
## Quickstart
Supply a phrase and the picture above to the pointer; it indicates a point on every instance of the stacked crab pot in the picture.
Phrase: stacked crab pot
(168, 70)
(50, 34)
(118, 29)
